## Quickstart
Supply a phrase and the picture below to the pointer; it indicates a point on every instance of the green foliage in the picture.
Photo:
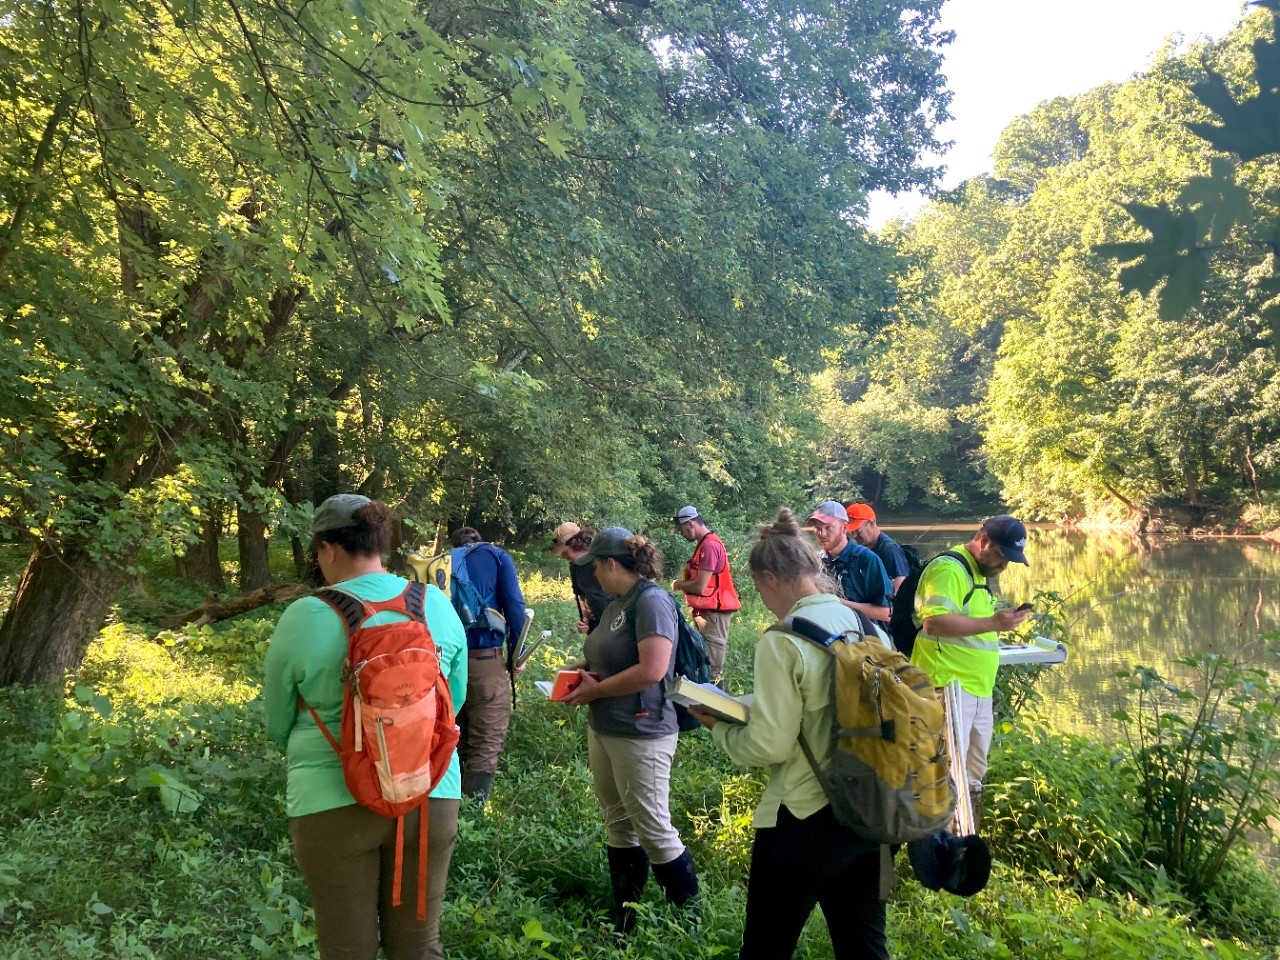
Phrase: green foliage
(499, 264)
(1054, 807)
(1013, 362)
(1186, 234)
(144, 817)
(1204, 762)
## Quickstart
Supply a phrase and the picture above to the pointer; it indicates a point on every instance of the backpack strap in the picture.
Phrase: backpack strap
(974, 585)
(354, 611)
(645, 586)
(819, 636)
(349, 608)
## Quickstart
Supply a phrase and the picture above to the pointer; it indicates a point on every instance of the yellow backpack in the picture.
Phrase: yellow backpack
(890, 778)
(437, 570)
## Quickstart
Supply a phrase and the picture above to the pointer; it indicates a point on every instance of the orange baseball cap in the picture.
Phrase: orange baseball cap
(859, 513)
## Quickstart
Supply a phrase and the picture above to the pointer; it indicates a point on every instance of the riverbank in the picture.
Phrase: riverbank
(1261, 522)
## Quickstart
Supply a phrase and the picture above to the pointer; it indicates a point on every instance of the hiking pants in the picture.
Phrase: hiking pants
(487, 712)
(632, 783)
(347, 856)
(976, 723)
(716, 634)
(799, 863)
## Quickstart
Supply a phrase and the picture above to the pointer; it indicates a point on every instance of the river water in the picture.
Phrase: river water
(1128, 605)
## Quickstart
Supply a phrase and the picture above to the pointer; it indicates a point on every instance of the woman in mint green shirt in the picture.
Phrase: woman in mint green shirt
(345, 851)
(801, 856)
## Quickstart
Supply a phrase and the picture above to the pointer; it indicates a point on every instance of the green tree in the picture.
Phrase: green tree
(177, 184)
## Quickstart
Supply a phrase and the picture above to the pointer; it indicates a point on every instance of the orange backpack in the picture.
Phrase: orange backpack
(398, 729)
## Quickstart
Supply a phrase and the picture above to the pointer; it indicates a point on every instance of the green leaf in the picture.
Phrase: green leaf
(1185, 285)
(175, 796)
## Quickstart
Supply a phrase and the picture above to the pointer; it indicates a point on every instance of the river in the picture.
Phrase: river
(1130, 606)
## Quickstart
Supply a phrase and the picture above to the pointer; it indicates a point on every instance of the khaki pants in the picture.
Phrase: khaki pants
(632, 781)
(347, 856)
(487, 713)
(976, 723)
(714, 627)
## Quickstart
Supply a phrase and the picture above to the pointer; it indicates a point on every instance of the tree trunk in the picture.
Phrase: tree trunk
(215, 609)
(60, 605)
(255, 572)
(201, 561)
(326, 473)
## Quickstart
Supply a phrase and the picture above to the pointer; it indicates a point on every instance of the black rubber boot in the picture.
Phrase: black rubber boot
(680, 883)
(628, 872)
(477, 784)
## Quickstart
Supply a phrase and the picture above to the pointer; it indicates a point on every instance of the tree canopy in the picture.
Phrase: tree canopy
(500, 264)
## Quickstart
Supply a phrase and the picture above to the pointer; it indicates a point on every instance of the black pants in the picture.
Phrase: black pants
(800, 863)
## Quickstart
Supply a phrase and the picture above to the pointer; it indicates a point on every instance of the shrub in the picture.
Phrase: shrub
(1203, 763)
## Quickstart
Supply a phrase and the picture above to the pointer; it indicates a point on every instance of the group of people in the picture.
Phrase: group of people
(800, 857)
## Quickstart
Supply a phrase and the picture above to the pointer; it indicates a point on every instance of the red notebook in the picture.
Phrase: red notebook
(565, 683)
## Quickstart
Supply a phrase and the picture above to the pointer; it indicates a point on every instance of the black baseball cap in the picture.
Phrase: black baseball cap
(1009, 534)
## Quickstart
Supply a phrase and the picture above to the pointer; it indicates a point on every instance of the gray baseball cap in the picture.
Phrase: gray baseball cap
(337, 513)
(830, 511)
(609, 542)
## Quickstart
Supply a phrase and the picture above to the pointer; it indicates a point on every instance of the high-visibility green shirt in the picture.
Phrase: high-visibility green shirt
(306, 657)
(973, 660)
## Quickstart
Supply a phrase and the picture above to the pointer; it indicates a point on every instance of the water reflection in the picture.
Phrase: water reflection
(1130, 606)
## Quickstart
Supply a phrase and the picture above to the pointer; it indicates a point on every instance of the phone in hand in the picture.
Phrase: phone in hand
(1023, 606)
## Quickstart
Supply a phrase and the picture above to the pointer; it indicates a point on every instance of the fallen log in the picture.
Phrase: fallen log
(215, 608)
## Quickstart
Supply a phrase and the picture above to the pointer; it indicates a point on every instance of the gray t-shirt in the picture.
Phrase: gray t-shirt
(644, 611)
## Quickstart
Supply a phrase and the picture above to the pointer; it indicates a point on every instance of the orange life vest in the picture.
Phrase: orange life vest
(720, 594)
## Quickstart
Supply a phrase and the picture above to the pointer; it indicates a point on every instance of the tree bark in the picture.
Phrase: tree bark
(255, 572)
(60, 605)
(201, 561)
(326, 473)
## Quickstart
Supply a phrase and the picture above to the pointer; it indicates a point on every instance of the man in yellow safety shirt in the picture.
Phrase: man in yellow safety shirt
(959, 626)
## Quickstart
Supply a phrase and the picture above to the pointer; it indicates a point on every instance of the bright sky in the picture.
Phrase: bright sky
(1009, 56)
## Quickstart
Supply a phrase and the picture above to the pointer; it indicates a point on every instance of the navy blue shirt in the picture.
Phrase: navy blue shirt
(494, 574)
(891, 555)
(588, 589)
(861, 575)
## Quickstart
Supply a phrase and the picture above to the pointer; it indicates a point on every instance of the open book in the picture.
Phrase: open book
(708, 696)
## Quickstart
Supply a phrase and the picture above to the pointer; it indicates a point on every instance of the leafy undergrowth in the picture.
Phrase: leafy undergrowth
(144, 817)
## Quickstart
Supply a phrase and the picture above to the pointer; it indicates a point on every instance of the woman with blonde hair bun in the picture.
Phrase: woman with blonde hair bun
(800, 856)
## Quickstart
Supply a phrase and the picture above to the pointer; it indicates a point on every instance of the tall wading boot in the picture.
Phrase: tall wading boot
(975, 803)
(628, 872)
(680, 883)
(477, 784)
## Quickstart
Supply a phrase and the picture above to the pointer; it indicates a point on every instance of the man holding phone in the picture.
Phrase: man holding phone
(959, 628)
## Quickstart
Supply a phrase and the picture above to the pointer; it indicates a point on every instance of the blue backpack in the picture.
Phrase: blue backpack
(464, 594)
(449, 572)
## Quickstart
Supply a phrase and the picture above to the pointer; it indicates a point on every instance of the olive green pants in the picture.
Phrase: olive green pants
(347, 856)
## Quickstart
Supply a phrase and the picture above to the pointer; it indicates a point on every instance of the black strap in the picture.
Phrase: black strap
(347, 605)
(974, 585)
(353, 611)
